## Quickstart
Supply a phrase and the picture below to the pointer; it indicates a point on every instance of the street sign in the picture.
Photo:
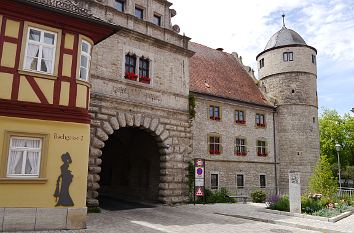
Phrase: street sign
(199, 178)
(199, 182)
(199, 191)
(199, 172)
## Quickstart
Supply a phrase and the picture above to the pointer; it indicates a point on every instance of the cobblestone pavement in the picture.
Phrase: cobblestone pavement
(185, 219)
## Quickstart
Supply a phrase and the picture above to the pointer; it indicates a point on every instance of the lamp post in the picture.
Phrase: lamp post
(338, 147)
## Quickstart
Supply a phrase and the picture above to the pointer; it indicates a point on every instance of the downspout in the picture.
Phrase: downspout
(275, 156)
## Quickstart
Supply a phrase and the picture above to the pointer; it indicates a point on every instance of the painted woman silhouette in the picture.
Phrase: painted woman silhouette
(64, 181)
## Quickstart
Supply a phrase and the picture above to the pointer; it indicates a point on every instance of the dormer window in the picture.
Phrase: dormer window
(139, 13)
(261, 63)
(288, 56)
(157, 20)
(120, 5)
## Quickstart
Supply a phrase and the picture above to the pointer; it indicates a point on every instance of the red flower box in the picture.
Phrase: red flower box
(240, 153)
(144, 79)
(262, 154)
(260, 125)
(131, 76)
(214, 152)
(241, 122)
(215, 118)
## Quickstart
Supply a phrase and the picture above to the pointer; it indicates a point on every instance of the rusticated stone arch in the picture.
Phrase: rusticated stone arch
(173, 159)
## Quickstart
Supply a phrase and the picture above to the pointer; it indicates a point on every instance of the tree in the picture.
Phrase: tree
(335, 128)
(322, 181)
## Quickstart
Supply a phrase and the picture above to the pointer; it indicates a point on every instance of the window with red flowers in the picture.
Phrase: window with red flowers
(214, 145)
(240, 147)
(261, 148)
(214, 113)
(130, 65)
(144, 70)
(260, 120)
(240, 117)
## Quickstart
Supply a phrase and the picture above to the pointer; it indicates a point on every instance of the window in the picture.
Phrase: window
(240, 181)
(288, 56)
(261, 63)
(240, 117)
(120, 5)
(40, 50)
(144, 70)
(262, 181)
(130, 64)
(24, 157)
(260, 120)
(214, 181)
(157, 20)
(314, 59)
(85, 59)
(214, 145)
(139, 13)
(214, 113)
(240, 147)
(261, 148)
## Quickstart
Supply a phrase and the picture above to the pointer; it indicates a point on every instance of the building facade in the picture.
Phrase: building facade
(253, 133)
(45, 52)
(140, 135)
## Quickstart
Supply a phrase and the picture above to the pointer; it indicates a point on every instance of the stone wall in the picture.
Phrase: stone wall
(170, 129)
(159, 107)
(227, 164)
(274, 64)
(293, 84)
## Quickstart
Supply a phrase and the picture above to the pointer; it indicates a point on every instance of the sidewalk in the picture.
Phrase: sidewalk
(256, 212)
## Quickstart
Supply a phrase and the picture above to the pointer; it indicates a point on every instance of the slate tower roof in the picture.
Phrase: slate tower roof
(284, 37)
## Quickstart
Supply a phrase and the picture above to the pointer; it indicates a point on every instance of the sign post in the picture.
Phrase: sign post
(199, 178)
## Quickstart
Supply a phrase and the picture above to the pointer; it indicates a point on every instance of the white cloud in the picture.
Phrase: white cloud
(246, 26)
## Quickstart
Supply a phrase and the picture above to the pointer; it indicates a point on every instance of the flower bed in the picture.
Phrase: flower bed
(313, 205)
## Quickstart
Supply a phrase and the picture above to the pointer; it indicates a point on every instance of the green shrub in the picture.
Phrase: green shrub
(322, 181)
(310, 205)
(281, 203)
(94, 210)
(258, 196)
(331, 212)
(219, 196)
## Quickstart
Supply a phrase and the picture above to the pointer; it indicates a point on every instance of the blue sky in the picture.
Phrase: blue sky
(246, 26)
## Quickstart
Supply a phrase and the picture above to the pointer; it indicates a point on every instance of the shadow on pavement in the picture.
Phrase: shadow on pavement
(116, 204)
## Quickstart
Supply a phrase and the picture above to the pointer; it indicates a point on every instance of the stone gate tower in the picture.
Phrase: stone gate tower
(288, 74)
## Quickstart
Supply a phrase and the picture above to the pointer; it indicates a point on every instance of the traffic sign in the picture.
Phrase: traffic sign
(199, 191)
(199, 172)
(199, 182)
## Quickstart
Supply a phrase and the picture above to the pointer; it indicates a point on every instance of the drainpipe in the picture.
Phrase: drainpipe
(275, 156)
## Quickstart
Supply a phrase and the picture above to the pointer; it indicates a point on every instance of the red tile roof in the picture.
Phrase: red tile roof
(220, 74)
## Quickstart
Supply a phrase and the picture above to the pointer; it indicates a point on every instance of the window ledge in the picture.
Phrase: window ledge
(37, 74)
(23, 180)
(83, 82)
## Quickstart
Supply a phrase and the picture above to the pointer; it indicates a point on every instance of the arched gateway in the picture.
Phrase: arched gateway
(135, 156)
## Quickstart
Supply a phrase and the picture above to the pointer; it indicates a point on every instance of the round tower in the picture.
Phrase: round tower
(288, 74)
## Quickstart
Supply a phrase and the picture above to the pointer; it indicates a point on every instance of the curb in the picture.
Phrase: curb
(277, 222)
(307, 216)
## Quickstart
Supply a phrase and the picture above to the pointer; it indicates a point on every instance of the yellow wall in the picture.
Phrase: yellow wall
(12, 28)
(81, 96)
(41, 194)
(69, 41)
(67, 65)
(26, 93)
(5, 85)
(47, 87)
(9, 51)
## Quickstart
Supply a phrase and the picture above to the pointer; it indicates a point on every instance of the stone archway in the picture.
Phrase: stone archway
(174, 154)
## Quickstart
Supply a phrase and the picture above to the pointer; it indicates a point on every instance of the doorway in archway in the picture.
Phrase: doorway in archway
(130, 167)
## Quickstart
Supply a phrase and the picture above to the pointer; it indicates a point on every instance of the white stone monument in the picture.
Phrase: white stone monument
(294, 192)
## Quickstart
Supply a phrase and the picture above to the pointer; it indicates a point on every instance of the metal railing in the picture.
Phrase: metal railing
(346, 192)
